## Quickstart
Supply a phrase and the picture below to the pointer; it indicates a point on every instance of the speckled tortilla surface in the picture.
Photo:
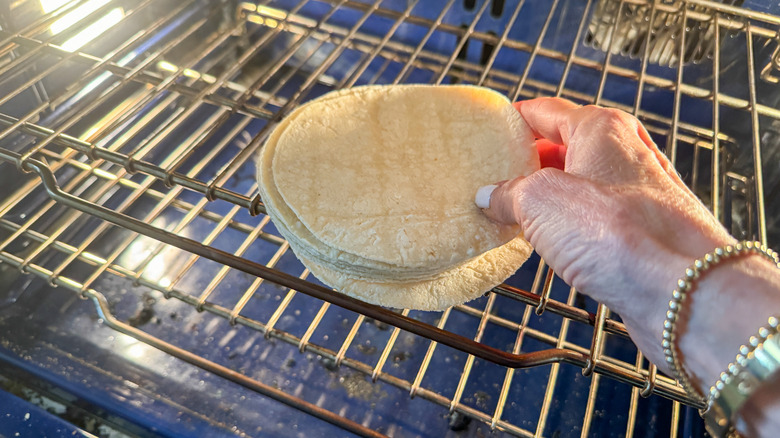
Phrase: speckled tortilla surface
(374, 187)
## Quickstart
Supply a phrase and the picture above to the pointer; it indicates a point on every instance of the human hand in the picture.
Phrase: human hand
(616, 222)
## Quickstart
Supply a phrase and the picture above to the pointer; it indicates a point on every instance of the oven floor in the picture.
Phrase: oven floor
(53, 343)
(19, 417)
(52, 346)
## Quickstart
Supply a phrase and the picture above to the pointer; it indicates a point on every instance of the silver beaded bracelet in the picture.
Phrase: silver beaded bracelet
(684, 285)
(757, 361)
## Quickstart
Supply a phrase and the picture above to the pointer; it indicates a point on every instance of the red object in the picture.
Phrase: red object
(551, 154)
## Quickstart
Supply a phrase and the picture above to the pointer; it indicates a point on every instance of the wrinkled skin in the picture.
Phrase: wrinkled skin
(611, 216)
(616, 222)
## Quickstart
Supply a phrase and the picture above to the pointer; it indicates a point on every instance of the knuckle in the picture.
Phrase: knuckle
(615, 117)
(608, 117)
(529, 185)
(550, 99)
(538, 182)
(545, 174)
(529, 195)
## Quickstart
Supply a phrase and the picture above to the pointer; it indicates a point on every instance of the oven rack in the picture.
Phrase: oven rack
(105, 162)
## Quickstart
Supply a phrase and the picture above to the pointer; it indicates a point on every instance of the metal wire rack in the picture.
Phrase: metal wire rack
(151, 146)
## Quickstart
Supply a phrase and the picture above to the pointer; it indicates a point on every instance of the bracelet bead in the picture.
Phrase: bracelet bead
(758, 358)
(684, 285)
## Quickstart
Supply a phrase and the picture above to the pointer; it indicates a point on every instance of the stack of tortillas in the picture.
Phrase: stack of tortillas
(374, 188)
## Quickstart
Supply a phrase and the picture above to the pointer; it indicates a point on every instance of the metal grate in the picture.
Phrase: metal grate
(140, 145)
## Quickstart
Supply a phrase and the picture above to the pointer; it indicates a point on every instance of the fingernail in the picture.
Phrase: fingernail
(483, 195)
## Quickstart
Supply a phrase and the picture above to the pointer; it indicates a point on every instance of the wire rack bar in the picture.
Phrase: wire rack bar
(535, 50)
(242, 200)
(758, 163)
(686, 89)
(415, 386)
(45, 20)
(463, 37)
(733, 102)
(30, 55)
(465, 344)
(97, 260)
(102, 307)
(715, 199)
(502, 397)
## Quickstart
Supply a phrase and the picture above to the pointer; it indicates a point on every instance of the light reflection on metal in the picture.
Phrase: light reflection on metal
(205, 77)
(272, 12)
(94, 30)
(265, 21)
(73, 17)
(51, 5)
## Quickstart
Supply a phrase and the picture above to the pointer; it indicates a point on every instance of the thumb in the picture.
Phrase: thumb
(525, 200)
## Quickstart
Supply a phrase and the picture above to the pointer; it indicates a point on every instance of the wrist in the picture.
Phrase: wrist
(645, 312)
(729, 303)
(725, 307)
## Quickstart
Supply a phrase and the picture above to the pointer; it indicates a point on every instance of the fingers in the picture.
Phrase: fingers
(548, 117)
(526, 200)
(597, 142)
(499, 204)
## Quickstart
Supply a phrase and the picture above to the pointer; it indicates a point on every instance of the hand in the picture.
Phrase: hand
(616, 222)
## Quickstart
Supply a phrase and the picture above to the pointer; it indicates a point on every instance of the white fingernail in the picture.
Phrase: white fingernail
(483, 196)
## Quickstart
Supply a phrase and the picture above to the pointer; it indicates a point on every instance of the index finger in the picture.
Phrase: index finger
(551, 118)
(559, 120)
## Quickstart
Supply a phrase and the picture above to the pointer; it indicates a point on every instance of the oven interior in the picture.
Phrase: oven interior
(144, 292)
